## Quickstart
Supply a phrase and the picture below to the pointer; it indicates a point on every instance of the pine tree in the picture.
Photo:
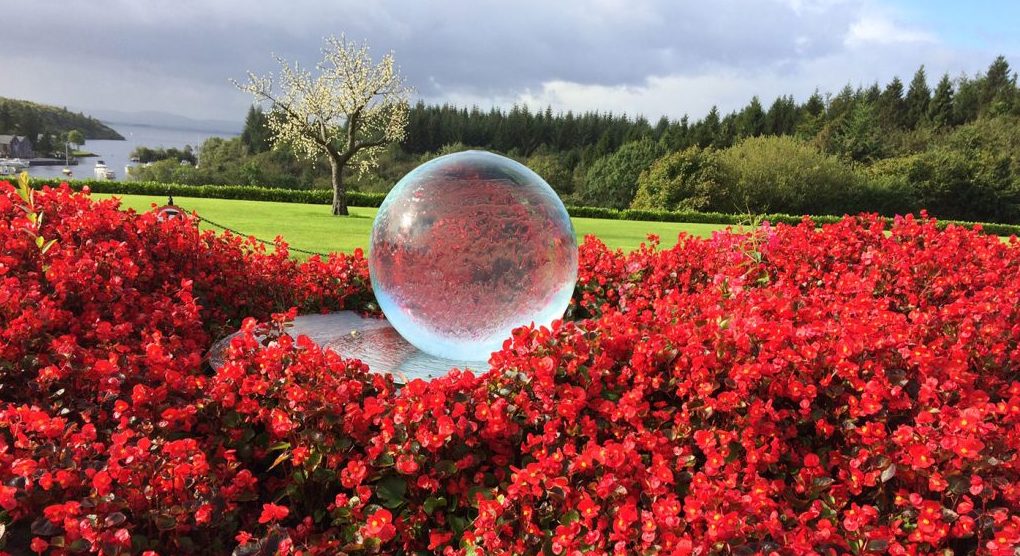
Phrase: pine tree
(751, 120)
(999, 88)
(256, 131)
(891, 106)
(967, 100)
(840, 104)
(566, 137)
(859, 138)
(727, 132)
(677, 136)
(660, 128)
(871, 95)
(782, 117)
(918, 97)
(940, 109)
(815, 104)
(706, 131)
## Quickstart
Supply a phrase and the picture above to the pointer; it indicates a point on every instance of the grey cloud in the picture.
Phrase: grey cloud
(125, 54)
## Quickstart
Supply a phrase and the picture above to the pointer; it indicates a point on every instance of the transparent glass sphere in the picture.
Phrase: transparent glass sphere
(467, 247)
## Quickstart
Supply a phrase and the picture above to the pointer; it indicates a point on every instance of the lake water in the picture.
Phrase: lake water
(117, 154)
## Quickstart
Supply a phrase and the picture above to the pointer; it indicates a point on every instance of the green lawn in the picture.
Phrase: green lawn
(312, 228)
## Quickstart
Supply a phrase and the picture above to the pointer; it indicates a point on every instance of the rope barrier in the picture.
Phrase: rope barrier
(242, 234)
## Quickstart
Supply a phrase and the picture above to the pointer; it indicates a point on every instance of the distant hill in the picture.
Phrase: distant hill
(23, 117)
(154, 118)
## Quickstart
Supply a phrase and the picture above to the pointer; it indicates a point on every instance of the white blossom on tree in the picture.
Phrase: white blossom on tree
(348, 111)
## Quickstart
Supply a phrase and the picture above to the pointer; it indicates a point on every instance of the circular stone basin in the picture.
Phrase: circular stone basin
(372, 340)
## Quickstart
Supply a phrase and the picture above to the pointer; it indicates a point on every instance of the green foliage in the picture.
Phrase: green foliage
(940, 109)
(31, 119)
(891, 107)
(357, 199)
(962, 185)
(45, 144)
(146, 154)
(601, 159)
(256, 135)
(883, 193)
(680, 181)
(781, 118)
(859, 137)
(783, 174)
(998, 91)
(553, 170)
(214, 191)
(918, 98)
(967, 101)
(751, 120)
(76, 138)
(167, 170)
(612, 180)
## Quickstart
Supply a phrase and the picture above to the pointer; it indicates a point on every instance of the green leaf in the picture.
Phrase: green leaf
(314, 460)
(570, 517)
(431, 503)
(49, 244)
(391, 490)
(458, 523)
(279, 446)
(139, 543)
(446, 467)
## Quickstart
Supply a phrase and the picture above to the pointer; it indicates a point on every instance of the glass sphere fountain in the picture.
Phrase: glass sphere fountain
(467, 247)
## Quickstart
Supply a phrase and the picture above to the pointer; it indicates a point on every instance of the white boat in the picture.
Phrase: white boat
(102, 172)
(6, 170)
(67, 162)
(16, 163)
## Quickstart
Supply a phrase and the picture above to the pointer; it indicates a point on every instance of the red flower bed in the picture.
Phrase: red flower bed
(794, 390)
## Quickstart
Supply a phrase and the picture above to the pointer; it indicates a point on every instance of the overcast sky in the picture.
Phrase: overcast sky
(648, 57)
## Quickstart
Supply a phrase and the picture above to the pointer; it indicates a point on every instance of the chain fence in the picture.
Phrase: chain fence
(234, 231)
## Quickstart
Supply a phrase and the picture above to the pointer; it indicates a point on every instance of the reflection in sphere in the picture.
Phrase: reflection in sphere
(467, 247)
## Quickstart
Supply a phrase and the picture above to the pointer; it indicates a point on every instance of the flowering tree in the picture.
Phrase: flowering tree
(349, 112)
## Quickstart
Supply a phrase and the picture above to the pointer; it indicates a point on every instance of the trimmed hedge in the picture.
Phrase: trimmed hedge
(694, 217)
(236, 192)
(359, 199)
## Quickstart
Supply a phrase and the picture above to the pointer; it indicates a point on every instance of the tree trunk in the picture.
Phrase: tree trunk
(339, 192)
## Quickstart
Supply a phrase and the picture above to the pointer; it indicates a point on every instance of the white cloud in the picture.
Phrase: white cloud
(878, 30)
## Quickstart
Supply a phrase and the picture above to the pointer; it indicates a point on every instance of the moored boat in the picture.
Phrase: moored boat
(103, 172)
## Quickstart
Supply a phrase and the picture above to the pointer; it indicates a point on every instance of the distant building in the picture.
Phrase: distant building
(15, 146)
